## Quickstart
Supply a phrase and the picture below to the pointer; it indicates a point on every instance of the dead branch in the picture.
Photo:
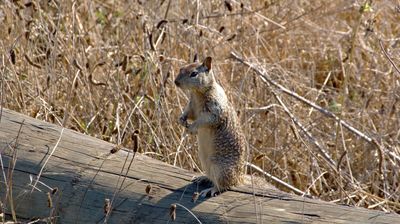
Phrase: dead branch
(277, 180)
(388, 57)
(266, 79)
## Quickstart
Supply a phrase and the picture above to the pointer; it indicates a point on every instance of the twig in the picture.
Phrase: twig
(321, 149)
(347, 157)
(10, 174)
(89, 186)
(277, 180)
(40, 182)
(2, 91)
(320, 91)
(2, 170)
(263, 17)
(261, 109)
(167, 10)
(128, 118)
(266, 79)
(47, 160)
(197, 219)
(179, 148)
(388, 57)
(117, 124)
(31, 62)
(116, 192)
(316, 179)
(340, 160)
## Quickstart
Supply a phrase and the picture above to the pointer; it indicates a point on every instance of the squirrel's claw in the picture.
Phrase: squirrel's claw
(212, 191)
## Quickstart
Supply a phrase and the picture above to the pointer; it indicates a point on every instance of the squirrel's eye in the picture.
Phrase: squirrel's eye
(193, 74)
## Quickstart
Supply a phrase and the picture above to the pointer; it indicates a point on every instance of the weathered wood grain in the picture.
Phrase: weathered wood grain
(80, 158)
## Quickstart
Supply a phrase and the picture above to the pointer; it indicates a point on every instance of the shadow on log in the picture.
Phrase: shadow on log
(82, 173)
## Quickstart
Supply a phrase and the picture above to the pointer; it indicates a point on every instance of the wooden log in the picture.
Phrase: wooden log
(86, 173)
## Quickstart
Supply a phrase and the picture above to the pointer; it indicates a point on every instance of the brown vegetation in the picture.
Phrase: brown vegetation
(106, 68)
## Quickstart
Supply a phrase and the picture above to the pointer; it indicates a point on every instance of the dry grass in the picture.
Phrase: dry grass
(106, 68)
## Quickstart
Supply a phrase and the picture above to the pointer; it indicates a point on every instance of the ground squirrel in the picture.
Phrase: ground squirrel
(220, 139)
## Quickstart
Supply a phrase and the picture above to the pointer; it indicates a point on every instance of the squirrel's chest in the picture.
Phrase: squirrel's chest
(199, 106)
(213, 101)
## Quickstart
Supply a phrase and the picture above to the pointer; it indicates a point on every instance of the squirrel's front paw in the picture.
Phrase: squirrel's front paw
(183, 121)
(192, 129)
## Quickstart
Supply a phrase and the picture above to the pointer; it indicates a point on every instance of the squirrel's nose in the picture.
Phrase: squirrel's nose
(176, 82)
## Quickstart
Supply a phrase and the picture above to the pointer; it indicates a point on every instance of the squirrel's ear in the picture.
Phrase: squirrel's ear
(207, 63)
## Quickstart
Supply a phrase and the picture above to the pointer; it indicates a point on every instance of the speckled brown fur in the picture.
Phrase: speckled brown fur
(221, 142)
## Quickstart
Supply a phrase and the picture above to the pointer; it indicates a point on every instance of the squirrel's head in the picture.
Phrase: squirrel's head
(196, 76)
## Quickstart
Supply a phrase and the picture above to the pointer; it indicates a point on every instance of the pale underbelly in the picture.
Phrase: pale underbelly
(205, 141)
